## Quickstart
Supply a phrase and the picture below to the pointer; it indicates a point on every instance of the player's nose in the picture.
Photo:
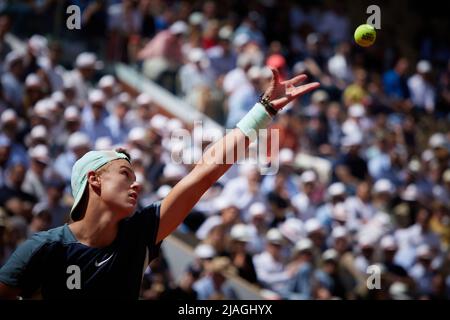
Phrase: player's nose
(137, 187)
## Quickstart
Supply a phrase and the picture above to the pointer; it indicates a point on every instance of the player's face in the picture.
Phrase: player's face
(119, 189)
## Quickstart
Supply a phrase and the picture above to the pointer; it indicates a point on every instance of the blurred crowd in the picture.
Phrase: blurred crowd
(380, 119)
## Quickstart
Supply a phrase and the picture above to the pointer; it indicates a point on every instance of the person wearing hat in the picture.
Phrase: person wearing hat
(423, 92)
(389, 247)
(77, 145)
(94, 116)
(350, 167)
(117, 122)
(86, 65)
(302, 265)
(108, 240)
(270, 264)
(143, 111)
(240, 258)
(34, 178)
(213, 285)
(162, 55)
(306, 202)
(11, 80)
(12, 197)
(328, 280)
(41, 220)
(221, 56)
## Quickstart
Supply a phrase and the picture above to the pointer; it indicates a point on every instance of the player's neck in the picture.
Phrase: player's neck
(98, 228)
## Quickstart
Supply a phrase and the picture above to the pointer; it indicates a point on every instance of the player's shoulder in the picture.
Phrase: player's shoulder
(38, 242)
(58, 234)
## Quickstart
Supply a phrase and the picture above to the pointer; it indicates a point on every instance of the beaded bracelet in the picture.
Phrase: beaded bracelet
(268, 105)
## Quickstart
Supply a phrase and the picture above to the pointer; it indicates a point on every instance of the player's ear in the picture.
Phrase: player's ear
(93, 179)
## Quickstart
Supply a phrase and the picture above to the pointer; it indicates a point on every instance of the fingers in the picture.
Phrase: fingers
(296, 80)
(276, 75)
(304, 89)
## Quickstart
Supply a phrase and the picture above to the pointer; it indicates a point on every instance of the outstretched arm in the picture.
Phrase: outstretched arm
(180, 201)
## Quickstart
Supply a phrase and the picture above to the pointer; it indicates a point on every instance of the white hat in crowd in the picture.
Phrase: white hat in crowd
(312, 225)
(40, 153)
(204, 251)
(240, 232)
(72, 114)
(308, 176)
(257, 209)
(383, 186)
(143, 99)
(107, 81)
(292, 229)
(78, 139)
(179, 27)
(97, 96)
(88, 60)
(302, 245)
(336, 189)
(274, 236)
(39, 132)
(8, 115)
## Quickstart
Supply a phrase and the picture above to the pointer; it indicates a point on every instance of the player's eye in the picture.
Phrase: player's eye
(125, 173)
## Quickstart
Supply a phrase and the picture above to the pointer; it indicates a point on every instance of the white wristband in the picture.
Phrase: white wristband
(257, 118)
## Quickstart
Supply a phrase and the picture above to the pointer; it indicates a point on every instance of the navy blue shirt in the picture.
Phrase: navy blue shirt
(44, 261)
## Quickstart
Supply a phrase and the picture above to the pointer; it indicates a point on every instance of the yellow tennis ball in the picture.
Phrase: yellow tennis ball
(365, 35)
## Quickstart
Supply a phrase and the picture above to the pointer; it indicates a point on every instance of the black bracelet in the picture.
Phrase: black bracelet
(268, 106)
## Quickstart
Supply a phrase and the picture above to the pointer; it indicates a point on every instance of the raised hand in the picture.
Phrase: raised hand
(281, 93)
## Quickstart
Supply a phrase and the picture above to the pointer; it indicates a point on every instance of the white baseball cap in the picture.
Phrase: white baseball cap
(96, 96)
(8, 115)
(339, 232)
(257, 209)
(383, 186)
(336, 189)
(39, 132)
(137, 134)
(107, 81)
(388, 243)
(312, 225)
(240, 232)
(286, 156)
(292, 229)
(356, 110)
(437, 140)
(179, 27)
(143, 99)
(71, 113)
(308, 176)
(40, 153)
(205, 251)
(423, 66)
(78, 139)
(274, 236)
(33, 80)
(303, 245)
(88, 60)
(103, 143)
(330, 254)
(411, 193)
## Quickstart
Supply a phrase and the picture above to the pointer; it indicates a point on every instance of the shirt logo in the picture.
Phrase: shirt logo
(98, 264)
